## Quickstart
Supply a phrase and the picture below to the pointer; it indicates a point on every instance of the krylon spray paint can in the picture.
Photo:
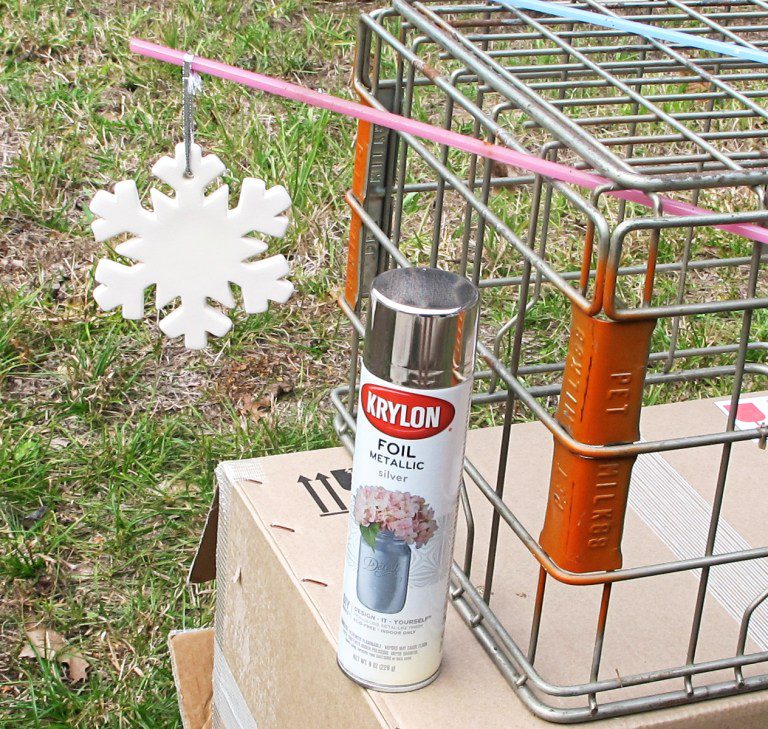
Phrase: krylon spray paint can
(413, 408)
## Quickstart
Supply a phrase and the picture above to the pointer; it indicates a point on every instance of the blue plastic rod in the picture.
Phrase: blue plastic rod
(646, 31)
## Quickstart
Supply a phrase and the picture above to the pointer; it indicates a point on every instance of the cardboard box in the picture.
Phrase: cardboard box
(192, 663)
(279, 560)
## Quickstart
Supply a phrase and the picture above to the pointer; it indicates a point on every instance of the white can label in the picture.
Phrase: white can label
(409, 452)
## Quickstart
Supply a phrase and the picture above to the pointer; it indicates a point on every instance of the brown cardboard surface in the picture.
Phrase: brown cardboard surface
(192, 662)
(279, 650)
(285, 565)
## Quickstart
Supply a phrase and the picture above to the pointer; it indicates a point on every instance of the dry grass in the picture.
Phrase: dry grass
(109, 433)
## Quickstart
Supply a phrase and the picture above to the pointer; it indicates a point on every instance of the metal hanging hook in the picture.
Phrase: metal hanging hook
(191, 84)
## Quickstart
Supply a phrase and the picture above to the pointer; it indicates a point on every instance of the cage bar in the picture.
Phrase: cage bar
(646, 115)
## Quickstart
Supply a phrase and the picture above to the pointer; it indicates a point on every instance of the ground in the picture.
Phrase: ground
(109, 433)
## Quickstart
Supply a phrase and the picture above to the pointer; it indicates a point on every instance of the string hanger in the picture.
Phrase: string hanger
(192, 83)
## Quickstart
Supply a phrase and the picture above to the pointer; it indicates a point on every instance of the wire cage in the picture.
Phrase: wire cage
(671, 308)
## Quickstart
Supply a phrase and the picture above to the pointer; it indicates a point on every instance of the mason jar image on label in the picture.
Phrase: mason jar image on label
(390, 522)
(382, 573)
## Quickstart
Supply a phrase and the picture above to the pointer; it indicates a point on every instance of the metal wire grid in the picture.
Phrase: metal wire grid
(643, 114)
(634, 94)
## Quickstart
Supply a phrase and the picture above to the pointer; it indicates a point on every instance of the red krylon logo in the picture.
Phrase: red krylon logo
(407, 415)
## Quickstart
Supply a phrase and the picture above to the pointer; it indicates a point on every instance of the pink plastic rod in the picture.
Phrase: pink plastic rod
(528, 162)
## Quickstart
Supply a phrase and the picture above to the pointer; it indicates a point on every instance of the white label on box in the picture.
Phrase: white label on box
(406, 471)
(752, 412)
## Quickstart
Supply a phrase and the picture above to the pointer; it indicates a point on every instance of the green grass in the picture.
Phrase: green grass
(112, 429)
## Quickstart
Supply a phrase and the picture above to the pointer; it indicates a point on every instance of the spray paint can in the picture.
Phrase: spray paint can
(413, 409)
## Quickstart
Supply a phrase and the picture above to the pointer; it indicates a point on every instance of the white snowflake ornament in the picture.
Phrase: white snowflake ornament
(191, 247)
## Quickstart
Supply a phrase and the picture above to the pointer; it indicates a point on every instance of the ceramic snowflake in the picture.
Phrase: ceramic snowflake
(191, 247)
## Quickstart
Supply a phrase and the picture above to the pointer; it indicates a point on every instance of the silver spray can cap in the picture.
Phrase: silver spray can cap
(422, 328)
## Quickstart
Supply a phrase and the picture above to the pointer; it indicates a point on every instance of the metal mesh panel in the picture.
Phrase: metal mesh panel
(645, 115)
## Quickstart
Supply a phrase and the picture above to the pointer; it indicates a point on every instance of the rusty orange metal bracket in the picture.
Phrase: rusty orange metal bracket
(359, 177)
(600, 404)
